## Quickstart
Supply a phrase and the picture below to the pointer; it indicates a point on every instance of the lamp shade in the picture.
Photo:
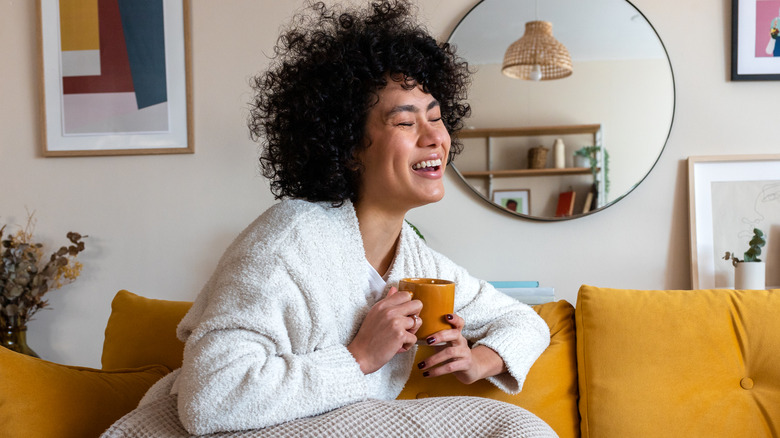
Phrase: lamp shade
(537, 47)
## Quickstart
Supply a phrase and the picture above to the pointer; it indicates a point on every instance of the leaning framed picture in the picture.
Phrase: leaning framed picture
(755, 43)
(517, 200)
(116, 77)
(729, 196)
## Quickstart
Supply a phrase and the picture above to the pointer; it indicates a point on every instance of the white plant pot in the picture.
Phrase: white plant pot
(580, 161)
(750, 275)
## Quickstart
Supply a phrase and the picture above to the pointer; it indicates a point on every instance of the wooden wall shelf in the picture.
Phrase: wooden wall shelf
(529, 131)
(528, 172)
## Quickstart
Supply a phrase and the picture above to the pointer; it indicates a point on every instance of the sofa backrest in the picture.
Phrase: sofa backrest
(142, 331)
(678, 363)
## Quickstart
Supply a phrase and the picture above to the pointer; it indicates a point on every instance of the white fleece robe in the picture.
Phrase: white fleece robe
(265, 341)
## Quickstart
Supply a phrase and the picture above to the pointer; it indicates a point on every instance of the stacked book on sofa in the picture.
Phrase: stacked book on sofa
(527, 292)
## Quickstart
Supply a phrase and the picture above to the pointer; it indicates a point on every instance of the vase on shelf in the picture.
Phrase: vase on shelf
(14, 337)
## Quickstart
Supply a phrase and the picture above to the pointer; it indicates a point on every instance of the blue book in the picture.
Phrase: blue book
(527, 292)
(513, 284)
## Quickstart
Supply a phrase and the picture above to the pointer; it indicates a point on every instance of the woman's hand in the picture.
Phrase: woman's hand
(467, 364)
(389, 328)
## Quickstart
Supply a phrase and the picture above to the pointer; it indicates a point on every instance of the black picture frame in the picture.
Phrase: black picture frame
(745, 67)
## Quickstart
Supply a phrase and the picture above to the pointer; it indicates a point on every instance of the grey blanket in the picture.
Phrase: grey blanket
(430, 417)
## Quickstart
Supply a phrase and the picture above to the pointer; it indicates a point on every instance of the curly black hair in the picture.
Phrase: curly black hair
(310, 106)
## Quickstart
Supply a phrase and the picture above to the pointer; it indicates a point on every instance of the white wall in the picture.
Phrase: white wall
(158, 224)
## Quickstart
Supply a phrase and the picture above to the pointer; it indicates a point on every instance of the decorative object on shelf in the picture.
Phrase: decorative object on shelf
(591, 153)
(730, 195)
(580, 160)
(26, 277)
(750, 272)
(755, 53)
(537, 157)
(537, 55)
(559, 149)
(516, 200)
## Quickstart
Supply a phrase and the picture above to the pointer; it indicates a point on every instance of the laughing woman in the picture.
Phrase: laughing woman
(357, 116)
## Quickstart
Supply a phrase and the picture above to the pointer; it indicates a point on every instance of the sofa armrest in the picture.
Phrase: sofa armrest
(550, 389)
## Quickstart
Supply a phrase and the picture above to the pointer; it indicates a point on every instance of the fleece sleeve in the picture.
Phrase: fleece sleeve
(510, 328)
(259, 356)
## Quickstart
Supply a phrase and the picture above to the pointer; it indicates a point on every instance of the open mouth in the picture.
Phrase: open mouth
(428, 165)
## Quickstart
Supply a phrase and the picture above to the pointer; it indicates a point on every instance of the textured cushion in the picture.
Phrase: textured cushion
(550, 390)
(45, 399)
(678, 363)
(142, 331)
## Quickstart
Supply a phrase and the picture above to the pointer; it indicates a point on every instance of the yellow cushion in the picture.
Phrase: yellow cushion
(45, 399)
(142, 331)
(678, 363)
(550, 390)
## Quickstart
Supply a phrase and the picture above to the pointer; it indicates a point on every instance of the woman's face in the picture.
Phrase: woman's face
(408, 146)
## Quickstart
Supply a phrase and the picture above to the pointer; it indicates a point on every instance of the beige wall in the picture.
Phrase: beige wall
(158, 224)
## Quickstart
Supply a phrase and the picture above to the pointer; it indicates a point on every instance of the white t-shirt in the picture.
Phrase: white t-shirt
(376, 284)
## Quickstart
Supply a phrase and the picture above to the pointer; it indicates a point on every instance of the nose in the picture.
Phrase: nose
(434, 135)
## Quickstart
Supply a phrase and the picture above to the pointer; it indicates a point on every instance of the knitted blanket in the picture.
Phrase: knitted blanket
(430, 417)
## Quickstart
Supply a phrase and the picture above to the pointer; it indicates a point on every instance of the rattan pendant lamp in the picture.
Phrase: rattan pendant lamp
(537, 55)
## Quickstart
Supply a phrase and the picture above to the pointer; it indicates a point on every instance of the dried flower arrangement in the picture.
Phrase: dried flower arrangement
(25, 278)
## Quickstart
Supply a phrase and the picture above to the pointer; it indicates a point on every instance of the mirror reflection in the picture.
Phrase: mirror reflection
(562, 148)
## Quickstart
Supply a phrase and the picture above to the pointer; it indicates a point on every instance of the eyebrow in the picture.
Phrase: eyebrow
(411, 108)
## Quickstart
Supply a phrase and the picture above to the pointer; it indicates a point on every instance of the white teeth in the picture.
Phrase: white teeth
(428, 163)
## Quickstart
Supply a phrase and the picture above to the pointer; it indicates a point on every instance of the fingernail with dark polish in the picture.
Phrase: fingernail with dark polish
(430, 340)
(421, 365)
(426, 374)
(449, 316)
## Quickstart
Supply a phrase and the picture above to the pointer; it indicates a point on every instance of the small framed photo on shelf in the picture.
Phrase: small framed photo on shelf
(755, 40)
(516, 200)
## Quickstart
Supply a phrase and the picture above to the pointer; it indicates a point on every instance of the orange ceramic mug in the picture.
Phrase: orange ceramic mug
(438, 299)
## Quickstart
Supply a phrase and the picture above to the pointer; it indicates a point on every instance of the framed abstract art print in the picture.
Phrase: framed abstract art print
(115, 77)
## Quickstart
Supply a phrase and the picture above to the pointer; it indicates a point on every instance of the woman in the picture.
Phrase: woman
(302, 315)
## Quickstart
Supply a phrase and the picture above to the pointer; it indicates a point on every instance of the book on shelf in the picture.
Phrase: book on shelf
(588, 201)
(565, 204)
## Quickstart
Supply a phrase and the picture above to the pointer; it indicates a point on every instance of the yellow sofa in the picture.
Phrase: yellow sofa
(624, 363)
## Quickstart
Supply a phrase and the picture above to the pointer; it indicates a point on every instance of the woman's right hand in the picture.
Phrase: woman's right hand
(389, 328)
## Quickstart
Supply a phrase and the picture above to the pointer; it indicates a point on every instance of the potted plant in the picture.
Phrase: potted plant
(26, 275)
(750, 272)
(589, 154)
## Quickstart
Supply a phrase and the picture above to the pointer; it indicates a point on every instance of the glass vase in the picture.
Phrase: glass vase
(14, 337)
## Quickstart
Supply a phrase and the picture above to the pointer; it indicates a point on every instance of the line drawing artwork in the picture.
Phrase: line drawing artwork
(742, 206)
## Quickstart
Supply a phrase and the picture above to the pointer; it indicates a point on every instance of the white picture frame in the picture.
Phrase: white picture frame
(515, 200)
(730, 195)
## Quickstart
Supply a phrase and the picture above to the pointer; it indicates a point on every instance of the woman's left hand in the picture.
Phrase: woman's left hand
(467, 364)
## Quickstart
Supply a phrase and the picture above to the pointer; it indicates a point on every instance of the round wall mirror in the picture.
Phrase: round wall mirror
(563, 148)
